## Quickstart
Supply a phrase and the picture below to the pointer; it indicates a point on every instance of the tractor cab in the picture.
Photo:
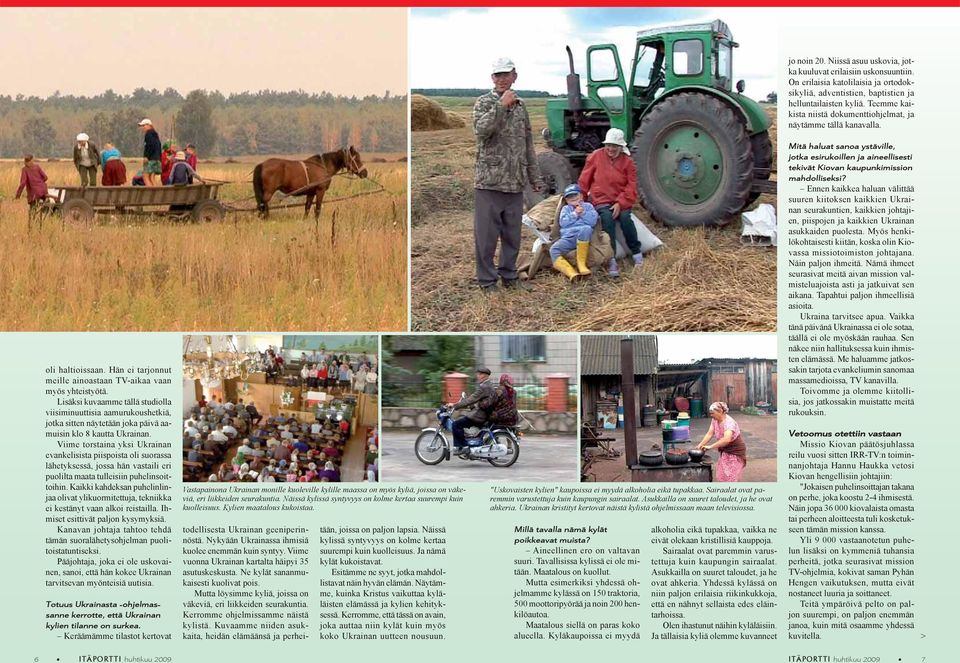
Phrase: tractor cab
(665, 59)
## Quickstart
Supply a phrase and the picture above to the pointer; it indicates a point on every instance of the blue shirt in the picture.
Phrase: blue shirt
(107, 154)
(570, 223)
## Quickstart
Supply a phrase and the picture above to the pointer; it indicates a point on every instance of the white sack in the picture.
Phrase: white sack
(760, 226)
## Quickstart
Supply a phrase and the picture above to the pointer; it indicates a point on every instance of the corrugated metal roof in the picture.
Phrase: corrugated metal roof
(600, 355)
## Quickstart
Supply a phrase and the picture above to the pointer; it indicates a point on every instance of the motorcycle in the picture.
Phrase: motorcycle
(498, 445)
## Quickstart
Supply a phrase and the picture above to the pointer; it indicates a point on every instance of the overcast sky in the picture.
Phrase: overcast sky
(535, 38)
(86, 51)
(686, 348)
(454, 47)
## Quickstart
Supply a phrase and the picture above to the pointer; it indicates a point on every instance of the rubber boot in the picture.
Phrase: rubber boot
(612, 268)
(583, 249)
(565, 268)
(638, 259)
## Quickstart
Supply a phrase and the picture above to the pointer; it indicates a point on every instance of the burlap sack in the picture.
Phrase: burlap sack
(546, 216)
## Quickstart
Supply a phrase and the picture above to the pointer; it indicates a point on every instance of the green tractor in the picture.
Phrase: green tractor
(702, 149)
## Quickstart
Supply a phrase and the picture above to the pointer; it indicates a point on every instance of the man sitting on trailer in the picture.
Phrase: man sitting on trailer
(182, 173)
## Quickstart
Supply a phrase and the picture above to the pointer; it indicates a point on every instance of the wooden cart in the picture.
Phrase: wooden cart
(197, 201)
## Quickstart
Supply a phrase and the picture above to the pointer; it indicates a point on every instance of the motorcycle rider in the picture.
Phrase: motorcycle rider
(484, 395)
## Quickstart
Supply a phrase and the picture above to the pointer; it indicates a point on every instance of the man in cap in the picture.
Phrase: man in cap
(506, 163)
(152, 149)
(86, 157)
(481, 400)
(182, 173)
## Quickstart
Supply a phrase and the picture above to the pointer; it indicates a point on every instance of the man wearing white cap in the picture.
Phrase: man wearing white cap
(152, 149)
(86, 157)
(506, 163)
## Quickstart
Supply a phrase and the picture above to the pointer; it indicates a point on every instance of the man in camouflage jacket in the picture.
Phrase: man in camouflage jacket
(506, 163)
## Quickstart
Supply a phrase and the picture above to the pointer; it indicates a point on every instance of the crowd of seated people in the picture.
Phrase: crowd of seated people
(275, 449)
(329, 371)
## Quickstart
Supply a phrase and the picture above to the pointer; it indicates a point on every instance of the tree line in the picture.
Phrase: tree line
(247, 123)
(476, 92)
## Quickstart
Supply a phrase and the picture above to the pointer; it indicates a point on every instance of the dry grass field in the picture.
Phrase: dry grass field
(701, 279)
(152, 273)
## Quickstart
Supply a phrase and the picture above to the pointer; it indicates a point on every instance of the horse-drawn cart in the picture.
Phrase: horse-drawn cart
(198, 201)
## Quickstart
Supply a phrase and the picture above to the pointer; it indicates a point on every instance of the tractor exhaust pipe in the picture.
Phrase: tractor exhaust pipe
(573, 87)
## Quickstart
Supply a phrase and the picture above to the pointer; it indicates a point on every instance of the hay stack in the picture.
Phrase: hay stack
(427, 115)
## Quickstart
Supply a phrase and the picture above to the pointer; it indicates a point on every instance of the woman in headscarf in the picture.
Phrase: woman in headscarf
(167, 159)
(726, 432)
(504, 409)
(237, 461)
(293, 474)
(329, 472)
(114, 172)
(34, 180)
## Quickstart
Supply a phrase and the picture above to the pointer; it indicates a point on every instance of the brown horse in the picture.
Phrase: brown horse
(296, 176)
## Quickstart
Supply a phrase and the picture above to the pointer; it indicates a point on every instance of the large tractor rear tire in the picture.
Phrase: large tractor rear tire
(762, 160)
(557, 174)
(694, 161)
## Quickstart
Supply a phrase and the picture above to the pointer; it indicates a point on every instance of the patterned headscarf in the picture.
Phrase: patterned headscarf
(719, 406)
(507, 383)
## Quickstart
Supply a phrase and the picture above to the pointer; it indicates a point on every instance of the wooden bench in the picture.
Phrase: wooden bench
(590, 437)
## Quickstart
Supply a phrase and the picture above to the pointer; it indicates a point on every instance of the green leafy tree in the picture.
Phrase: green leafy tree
(123, 131)
(99, 126)
(392, 377)
(252, 122)
(445, 354)
(195, 122)
(238, 141)
(39, 136)
(171, 96)
(315, 139)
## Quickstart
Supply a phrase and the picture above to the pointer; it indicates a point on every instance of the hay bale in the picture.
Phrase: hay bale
(427, 115)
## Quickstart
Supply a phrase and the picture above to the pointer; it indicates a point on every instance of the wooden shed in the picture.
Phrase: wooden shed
(740, 382)
(600, 372)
